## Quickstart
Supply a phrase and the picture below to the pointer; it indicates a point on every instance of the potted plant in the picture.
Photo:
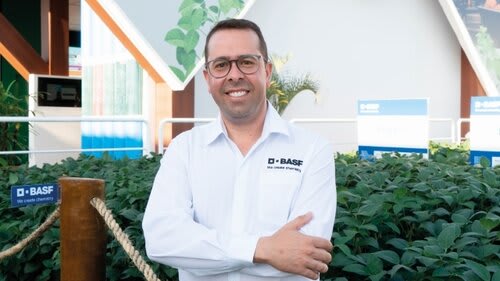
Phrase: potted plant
(10, 132)
(283, 87)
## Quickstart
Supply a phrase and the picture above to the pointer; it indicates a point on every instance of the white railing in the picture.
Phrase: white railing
(459, 128)
(146, 148)
(354, 120)
(455, 132)
(165, 121)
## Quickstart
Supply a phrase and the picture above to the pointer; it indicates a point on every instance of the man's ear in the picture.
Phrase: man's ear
(269, 72)
(205, 74)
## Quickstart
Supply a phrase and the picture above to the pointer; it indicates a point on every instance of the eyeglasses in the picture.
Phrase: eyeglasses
(220, 67)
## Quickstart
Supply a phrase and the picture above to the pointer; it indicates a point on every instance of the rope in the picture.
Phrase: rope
(122, 237)
(34, 235)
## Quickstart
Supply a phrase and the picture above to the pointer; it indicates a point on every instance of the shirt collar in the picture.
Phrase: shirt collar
(272, 124)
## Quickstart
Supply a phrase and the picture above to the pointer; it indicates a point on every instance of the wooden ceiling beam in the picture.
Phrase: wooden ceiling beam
(18, 52)
(58, 37)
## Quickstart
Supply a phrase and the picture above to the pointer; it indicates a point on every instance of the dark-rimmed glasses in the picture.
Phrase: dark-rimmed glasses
(220, 67)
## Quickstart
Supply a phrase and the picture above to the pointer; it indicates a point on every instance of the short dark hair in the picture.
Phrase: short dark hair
(238, 24)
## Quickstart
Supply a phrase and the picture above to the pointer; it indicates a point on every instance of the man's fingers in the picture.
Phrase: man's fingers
(323, 244)
(317, 266)
(310, 274)
(299, 221)
(322, 255)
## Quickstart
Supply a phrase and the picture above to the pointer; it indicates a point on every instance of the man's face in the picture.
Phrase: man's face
(240, 97)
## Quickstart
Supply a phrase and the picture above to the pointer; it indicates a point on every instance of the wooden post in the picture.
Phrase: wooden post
(83, 231)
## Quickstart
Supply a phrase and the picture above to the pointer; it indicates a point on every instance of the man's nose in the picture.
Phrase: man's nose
(234, 71)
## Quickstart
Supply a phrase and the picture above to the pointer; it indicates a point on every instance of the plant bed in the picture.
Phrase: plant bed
(398, 218)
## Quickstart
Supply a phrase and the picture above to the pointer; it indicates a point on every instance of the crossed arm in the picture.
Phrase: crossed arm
(291, 251)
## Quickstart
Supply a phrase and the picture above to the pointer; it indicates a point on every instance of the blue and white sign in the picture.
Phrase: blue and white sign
(396, 125)
(485, 129)
(22, 195)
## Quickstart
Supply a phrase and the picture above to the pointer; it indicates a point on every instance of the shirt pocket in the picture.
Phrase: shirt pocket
(276, 192)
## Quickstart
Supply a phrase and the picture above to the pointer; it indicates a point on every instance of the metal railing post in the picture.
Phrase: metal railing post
(83, 231)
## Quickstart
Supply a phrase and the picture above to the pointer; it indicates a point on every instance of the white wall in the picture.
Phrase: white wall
(359, 49)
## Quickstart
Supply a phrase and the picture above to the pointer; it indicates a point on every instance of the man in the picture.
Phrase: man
(248, 197)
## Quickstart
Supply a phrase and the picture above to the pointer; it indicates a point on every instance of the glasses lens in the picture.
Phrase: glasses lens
(219, 67)
(248, 64)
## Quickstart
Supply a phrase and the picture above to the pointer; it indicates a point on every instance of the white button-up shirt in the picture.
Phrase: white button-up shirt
(209, 204)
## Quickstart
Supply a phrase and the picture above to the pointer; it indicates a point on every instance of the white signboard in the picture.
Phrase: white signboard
(386, 126)
(485, 129)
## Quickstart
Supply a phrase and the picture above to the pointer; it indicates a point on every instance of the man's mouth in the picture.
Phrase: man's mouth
(237, 93)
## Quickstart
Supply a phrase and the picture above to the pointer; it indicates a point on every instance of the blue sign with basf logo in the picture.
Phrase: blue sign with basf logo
(22, 195)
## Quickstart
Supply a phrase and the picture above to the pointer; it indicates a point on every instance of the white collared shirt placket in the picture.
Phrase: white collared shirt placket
(238, 206)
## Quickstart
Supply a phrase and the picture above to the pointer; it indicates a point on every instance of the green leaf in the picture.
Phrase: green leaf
(344, 239)
(496, 276)
(427, 261)
(459, 218)
(228, 5)
(356, 268)
(397, 267)
(479, 269)
(379, 179)
(186, 59)
(176, 37)
(464, 241)
(13, 178)
(214, 9)
(187, 6)
(191, 40)
(130, 214)
(393, 227)
(378, 276)
(3, 162)
(31, 267)
(489, 224)
(371, 227)
(198, 18)
(344, 249)
(368, 210)
(448, 235)
(440, 212)
(397, 243)
(185, 23)
(179, 73)
(340, 259)
(484, 162)
(490, 177)
(389, 256)
(432, 250)
(441, 272)
(374, 264)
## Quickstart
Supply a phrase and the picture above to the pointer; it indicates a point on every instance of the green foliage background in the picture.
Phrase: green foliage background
(12, 134)
(398, 218)
(195, 16)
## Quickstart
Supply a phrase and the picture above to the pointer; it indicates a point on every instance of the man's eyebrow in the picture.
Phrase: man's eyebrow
(228, 57)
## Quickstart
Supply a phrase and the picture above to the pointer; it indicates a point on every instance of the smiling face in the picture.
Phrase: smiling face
(241, 98)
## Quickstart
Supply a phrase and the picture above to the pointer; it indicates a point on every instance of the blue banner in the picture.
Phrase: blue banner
(492, 156)
(393, 107)
(485, 106)
(369, 152)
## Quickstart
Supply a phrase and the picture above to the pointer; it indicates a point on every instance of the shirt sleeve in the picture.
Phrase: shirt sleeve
(317, 194)
(172, 236)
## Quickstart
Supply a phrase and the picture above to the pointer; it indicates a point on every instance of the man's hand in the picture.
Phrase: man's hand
(290, 251)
